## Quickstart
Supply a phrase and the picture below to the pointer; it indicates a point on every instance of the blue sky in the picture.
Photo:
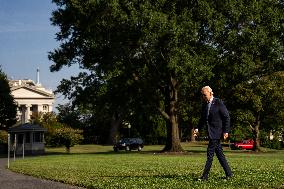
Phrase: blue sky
(26, 37)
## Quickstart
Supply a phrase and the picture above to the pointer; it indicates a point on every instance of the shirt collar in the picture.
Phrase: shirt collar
(211, 99)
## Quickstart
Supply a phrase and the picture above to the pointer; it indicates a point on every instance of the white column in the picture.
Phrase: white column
(15, 146)
(9, 143)
(19, 113)
(50, 107)
(27, 115)
(23, 145)
(23, 114)
(39, 108)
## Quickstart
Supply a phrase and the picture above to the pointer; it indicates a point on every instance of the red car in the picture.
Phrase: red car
(245, 144)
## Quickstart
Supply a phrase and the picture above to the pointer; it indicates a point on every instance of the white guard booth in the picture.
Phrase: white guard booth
(26, 139)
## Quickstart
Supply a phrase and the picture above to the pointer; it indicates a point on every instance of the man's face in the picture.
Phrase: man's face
(206, 95)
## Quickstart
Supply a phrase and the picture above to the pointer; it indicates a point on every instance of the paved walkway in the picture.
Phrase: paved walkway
(11, 180)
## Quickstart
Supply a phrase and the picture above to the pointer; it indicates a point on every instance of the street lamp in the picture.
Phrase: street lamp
(129, 127)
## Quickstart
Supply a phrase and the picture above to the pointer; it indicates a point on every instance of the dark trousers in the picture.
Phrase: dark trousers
(214, 146)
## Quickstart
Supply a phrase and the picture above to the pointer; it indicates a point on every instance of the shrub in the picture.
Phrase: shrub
(65, 136)
(152, 140)
(3, 137)
(275, 143)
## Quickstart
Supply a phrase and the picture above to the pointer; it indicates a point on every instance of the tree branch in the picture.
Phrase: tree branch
(251, 127)
(164, 113)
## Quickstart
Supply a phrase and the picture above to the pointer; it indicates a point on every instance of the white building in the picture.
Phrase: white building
(31, 98)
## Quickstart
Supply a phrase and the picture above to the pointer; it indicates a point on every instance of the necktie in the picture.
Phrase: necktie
(208, 109)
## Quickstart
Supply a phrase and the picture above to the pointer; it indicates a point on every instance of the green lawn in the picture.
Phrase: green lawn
(94, 166)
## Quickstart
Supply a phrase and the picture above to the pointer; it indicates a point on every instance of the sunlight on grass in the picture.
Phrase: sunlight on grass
(94, 166)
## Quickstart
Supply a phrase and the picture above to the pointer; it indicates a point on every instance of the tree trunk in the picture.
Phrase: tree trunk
(193, 135)
(173, 139)
(115, 122)
(67, 148)
(256, 133)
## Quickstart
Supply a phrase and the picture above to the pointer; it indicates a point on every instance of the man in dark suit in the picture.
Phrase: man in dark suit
(215, 117)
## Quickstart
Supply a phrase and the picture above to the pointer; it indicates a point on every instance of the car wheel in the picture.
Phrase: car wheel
(127, 148)
(139, 148)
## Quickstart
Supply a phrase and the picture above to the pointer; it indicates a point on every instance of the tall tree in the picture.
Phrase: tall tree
(260, 105)
(8, 107)
(157, 54)
(249, 38)
(70, 116)
(131, 48)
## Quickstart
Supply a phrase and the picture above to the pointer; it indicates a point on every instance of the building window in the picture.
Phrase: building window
(20, 138)
(45, 107)
(28, 138)
(38, 137)
(12, 138)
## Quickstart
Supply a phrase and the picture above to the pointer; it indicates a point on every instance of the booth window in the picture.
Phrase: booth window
(38, 137)
(28, 138)
(20, 138)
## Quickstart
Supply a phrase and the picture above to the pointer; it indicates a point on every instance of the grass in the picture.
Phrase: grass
(94, 166)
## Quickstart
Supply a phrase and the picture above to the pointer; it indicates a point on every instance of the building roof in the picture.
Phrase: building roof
(26, 128)
(29, 85)
(33, 89)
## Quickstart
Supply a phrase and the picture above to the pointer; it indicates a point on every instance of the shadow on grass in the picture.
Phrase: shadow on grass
(195, 152)
(151, 152)
(190, 176)
(196, 149)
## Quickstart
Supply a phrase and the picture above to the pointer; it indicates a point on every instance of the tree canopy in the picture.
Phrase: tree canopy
(260, 106)
(154, 56)
(8, 107)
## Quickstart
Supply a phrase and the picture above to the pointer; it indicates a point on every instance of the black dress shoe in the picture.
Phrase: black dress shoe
(228, 177)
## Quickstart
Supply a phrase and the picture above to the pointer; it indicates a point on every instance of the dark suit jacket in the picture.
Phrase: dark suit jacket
(218, 119)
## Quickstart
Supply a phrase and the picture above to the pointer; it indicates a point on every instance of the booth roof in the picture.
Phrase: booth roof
(26, 127)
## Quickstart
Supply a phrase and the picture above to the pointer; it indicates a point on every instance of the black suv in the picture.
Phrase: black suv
(128, 144)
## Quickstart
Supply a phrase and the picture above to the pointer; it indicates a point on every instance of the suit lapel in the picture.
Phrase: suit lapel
(212, 105)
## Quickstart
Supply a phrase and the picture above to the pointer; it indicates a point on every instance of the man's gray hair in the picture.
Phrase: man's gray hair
(207, 88)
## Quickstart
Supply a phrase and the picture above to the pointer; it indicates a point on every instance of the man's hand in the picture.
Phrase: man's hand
(226, 135)
(195, 132)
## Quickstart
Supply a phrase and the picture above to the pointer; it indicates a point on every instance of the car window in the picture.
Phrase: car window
(125, 140)
(131, 140)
